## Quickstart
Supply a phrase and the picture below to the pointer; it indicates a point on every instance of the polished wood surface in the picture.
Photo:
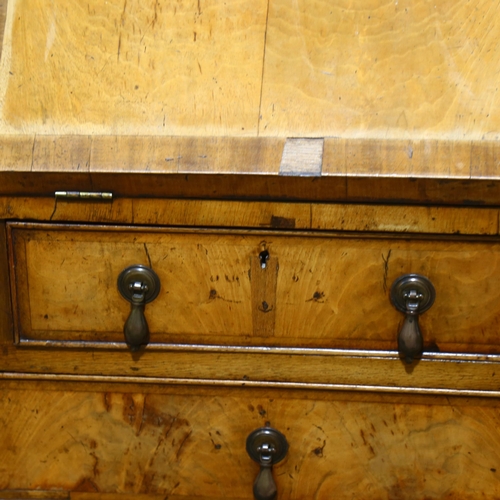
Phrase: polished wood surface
(3, 14)
(354, 170)
(318, 290)
(259, 215)
(276, 69)
(6, 330)
(349, 158)
(192, 444)
(381, 69)
(127, 67)
(381, 372)
(354, 142)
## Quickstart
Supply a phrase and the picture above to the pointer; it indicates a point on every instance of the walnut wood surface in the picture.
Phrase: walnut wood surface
(331, 290)
(192, 444)
(258, 215)
(355, 170)
(381, 69)
(34, 494)
(286, 369)
(3, 15)
(6, 331)
(144, 68)
(173, 108)
(276, 69)
(343, 158)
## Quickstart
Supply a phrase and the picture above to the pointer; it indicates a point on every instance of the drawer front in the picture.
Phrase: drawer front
(317, 290)
(191, 443)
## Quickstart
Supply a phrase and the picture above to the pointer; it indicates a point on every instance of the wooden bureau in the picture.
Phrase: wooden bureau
(279, 166)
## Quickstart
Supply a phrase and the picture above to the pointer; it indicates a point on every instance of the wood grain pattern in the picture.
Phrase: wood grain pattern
(280, 368)
(6, 330)
(378, 70)
(17, 153)
(186, 155)
(403, 219)
(34, 494)
(415, 172)
(264, 279)
(331, 290)
(72, 152)
(369, 189)
(406, 158)
(150, 444)
(386, 70)
(259, 215)
(3, 15)
(125, 496)
(190, 69)
(445, 159)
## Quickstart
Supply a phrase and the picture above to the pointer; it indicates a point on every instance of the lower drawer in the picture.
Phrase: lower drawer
(190, 442)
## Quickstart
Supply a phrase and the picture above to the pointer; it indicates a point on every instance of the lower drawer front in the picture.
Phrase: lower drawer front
(191, 443)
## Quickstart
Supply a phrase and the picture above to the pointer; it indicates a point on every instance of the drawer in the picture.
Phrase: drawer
(316, 289)
(191, 443)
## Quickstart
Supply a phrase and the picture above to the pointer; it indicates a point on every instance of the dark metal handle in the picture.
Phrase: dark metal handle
(410, 340)
(136, 328)
(139, 285)
(412, 294)
(264, 487)
(266, 446)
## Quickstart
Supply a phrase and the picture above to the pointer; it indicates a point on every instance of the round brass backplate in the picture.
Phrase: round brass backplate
(404, 284)
(139, 274)
(271, 437)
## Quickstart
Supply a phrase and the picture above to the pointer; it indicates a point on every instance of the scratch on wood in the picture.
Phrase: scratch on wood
(155, 17)
(142, 415)
(386, 268)
(186, 437)
(321, 482)
(155, 452)
(147, 255)
(53, 211)
(119, 47)
(123, 11)
(107, 401)
(95, 468)
(33, 153)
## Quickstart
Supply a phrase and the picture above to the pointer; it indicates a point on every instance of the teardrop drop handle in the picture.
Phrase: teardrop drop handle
(410, 340)
(136, 328)
(139, 285)
(266, 446)
(412, 294)
(264, 487)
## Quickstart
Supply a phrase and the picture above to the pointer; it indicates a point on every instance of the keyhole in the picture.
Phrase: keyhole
(264, 257)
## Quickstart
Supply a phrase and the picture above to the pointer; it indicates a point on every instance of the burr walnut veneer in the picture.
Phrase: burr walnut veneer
(278, 165)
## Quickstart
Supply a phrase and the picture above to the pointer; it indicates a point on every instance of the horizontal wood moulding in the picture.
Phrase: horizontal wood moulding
(245, 155)
(247, 369)
(445, 220)
(254, 168)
